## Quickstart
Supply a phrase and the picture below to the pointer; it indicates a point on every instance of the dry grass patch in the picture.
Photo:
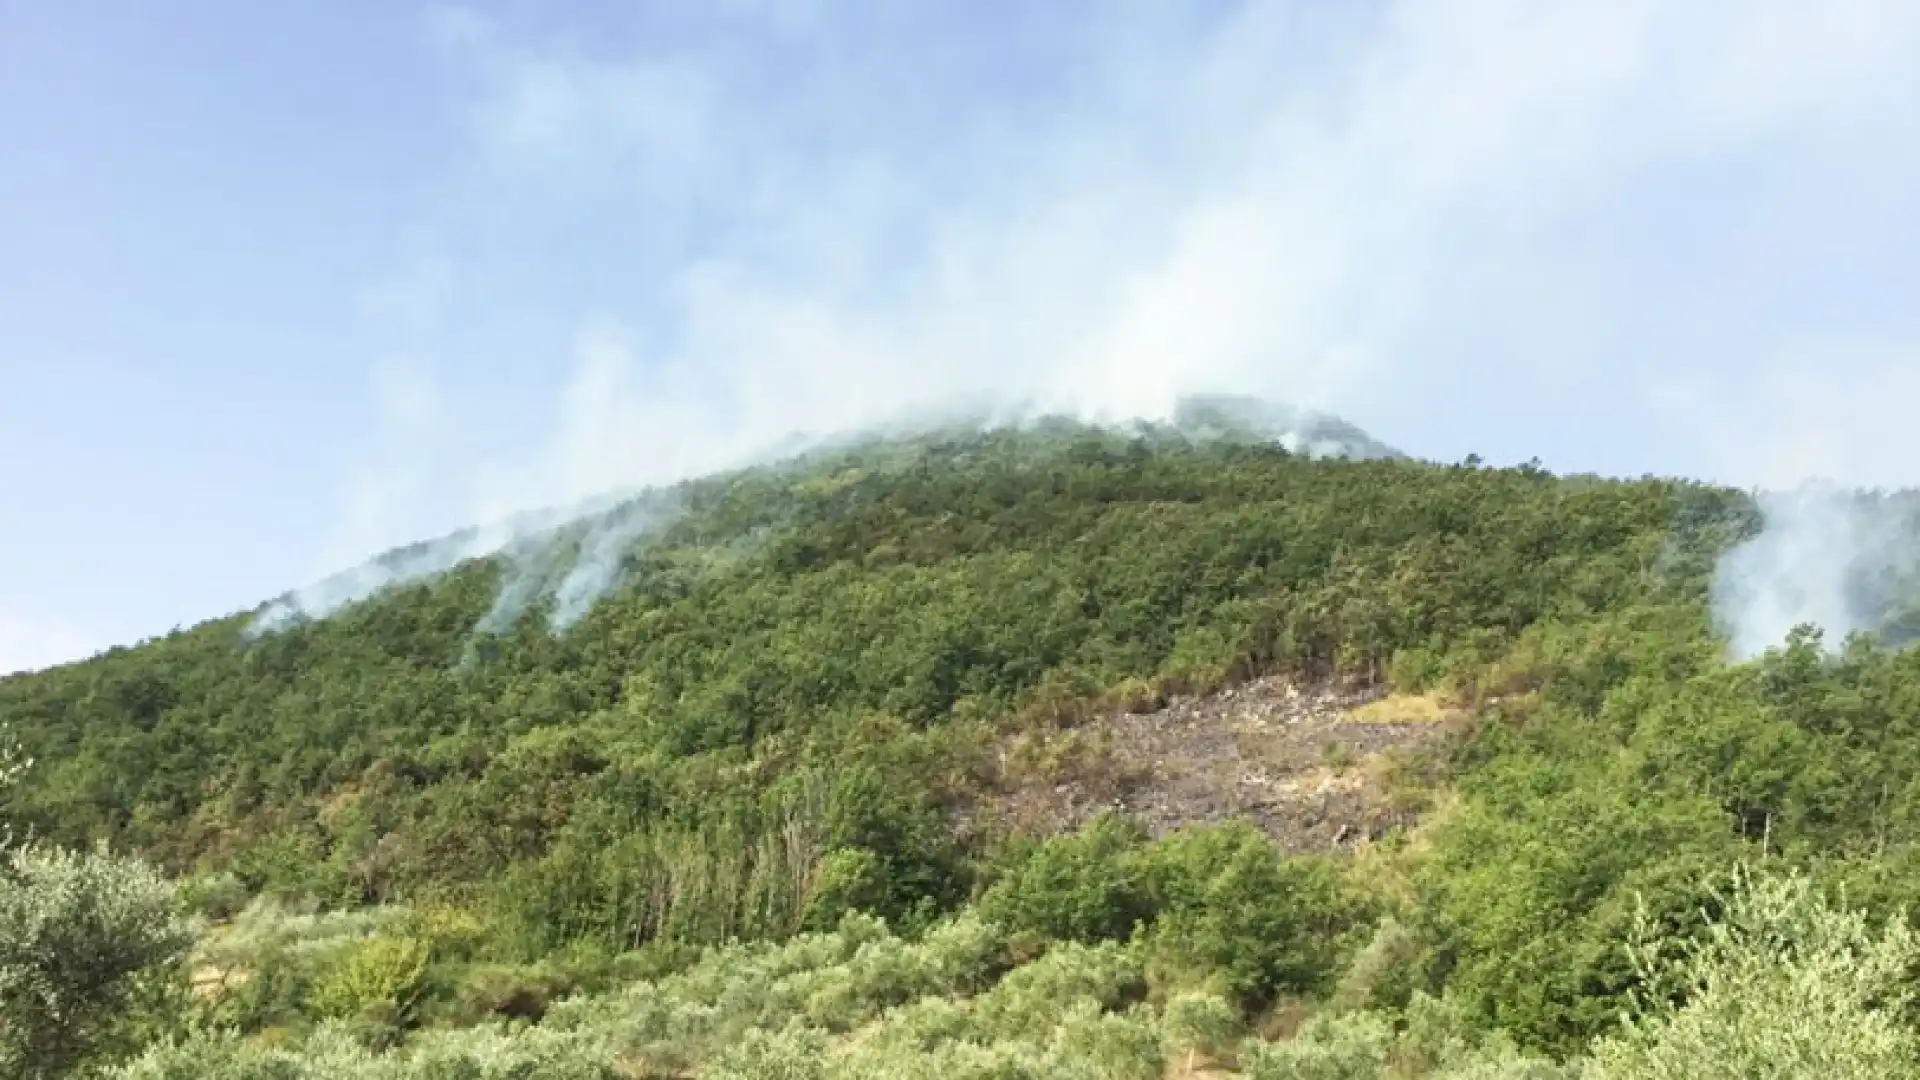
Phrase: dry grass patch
(1404, 709)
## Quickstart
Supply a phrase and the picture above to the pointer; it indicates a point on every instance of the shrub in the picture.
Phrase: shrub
(380, 971)
(259, 970)
(1085, 887)
(1198, 1022)
(218, 896)
(333, 1053)
(847, 879)
(522, 992)
(1382, 972)
(1232, 907)
(1781, 985)
(1106, 975)
(450, 931)
(1351, 1047)
(1092, 1043)
(791, 1054)
(1507, 1063)
(79, 931)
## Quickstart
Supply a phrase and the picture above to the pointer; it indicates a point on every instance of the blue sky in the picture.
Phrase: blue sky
(284, 285)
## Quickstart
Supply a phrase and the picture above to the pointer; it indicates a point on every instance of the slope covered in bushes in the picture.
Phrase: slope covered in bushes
(783, 651)
(812, 678)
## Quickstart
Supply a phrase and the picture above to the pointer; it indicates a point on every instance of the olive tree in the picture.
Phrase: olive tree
(78, 932)
(1783, 985)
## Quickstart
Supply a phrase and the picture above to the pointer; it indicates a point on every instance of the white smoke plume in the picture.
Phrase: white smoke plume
(521, 583)
(597, 569)
(570, 574)
(1840, 560)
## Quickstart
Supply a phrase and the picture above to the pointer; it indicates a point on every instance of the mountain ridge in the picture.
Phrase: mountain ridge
(621, 518)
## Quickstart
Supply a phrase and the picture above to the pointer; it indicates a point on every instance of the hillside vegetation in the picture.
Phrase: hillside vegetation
(746, 817)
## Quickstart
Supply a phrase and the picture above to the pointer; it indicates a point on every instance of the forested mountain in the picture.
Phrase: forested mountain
(817, 719)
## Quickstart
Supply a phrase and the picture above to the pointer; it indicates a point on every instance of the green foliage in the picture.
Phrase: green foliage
(847, 879)
(1782, 984)
(218, 896)
(382, 751)
(1087, 886)
(79, 934)
(1383, 972)
(793, 1054)
(1353, 1047)
(1524, 896)
(334, 1053)
(1197, 1021)
(740, 777)
(1230, 907)
(86, 942)
(13, 765)
(384, 972)
(1206, 904)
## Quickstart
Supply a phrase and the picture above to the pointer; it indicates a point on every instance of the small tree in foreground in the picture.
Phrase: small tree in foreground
(78, 930)
(1783, 986)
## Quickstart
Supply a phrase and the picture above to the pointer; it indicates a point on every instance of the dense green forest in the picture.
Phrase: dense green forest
(744, 818)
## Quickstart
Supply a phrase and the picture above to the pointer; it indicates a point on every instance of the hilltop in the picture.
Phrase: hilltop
(1170, 737)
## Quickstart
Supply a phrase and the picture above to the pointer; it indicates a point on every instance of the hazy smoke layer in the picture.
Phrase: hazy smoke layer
(571, 559)
(1419, 213)
(1843, 561)
(1298, 430)
(330, 594)
(520, 538)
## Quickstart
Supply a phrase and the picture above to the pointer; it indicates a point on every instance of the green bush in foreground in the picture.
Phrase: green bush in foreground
(78, 932)
(83, 936)
(1210, 904)
(1782, 986)
(381, 972)
(1087, 886)
(1230, 908)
